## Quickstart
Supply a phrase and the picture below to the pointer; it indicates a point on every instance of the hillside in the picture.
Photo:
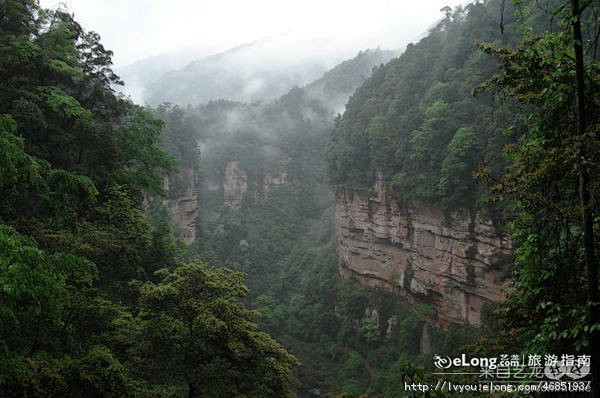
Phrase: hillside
(297, 223)
(258, 71)
(456, 165)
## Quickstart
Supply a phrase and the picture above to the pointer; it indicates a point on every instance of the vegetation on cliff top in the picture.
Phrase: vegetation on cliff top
(416, 120)
(553, 186)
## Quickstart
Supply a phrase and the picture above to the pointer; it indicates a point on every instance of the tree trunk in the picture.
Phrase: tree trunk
(584, 199)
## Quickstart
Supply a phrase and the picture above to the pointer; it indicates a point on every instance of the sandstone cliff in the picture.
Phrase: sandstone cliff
(453, 262)
(276, 177)
(237, 185)
(182, 203)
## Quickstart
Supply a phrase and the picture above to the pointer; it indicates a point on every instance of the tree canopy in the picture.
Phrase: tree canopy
(80, 302)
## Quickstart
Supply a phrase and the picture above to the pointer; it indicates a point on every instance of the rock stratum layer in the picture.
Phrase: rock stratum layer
(183, 203)
(237, 184)
(453, 262)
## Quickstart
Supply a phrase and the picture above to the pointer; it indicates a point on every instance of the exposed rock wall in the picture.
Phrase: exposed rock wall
(235, 185)
(184, 211)
(276, 177)
(182, 204)
(453, 262)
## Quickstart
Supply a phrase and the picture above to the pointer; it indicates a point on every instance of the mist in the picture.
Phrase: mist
(297, 198)
(137, 29)
(152, 38)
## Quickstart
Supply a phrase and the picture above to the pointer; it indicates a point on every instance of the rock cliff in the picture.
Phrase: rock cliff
(453, 262)
(237, 185)
(276, 177)
(182, 203)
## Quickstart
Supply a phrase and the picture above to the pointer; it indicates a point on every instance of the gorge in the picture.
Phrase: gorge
(365, 229)
(251, 233)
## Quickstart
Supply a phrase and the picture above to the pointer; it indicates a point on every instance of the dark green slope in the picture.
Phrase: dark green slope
(82, 310)
(416, 120)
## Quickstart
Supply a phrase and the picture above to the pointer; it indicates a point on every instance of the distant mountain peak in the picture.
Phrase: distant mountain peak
(259, 70)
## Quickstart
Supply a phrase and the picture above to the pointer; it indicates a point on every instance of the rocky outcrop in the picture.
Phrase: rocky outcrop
(276, 177)
(453, 262)
(184, 211)
(238, 185)
(182, 204)
(235, 185)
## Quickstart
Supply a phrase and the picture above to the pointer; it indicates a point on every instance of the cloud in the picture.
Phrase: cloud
(137, 29)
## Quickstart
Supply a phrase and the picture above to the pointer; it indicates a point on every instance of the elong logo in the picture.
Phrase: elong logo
(446, 362)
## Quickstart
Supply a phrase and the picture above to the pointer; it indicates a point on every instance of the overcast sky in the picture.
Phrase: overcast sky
(137, 29)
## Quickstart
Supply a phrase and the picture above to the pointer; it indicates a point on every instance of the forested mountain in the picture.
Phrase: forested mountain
(262, 70)
(418, 141)
(410, 216)
(95, 300)
(266, 208)
(262, 137)
(362, 218)
(416, 120)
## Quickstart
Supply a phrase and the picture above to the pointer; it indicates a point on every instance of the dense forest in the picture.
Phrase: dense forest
(97, 299)
(516, 108)
(190, 251)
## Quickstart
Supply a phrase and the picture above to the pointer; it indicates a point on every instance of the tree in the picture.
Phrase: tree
(585, 200)
(144, 162)
(199, 331)
(75, 161)
(554, 187)
(456, 185)
(35, 290)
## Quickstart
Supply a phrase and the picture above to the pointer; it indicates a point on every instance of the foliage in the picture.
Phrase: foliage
(415, 121)
(195, 322)
(138, 139)
(546, 311)
(76, 162)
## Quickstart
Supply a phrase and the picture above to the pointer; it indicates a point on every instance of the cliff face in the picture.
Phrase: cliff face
(416, 251)
(237, 185)
(182, 204)
(276, 177)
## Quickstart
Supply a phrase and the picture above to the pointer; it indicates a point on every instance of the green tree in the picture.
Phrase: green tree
(75, 161)
(144, 162)
(35, 290)
(554, 187)
(198, 329)
(456, 184)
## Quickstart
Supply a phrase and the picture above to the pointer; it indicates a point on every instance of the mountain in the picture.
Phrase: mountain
(303, 115)
(337, 84)
(262, 197)
(410, 217)
(261, 70)
(138, 75)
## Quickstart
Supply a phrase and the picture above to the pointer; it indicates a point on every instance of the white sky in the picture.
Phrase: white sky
(137, 29)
